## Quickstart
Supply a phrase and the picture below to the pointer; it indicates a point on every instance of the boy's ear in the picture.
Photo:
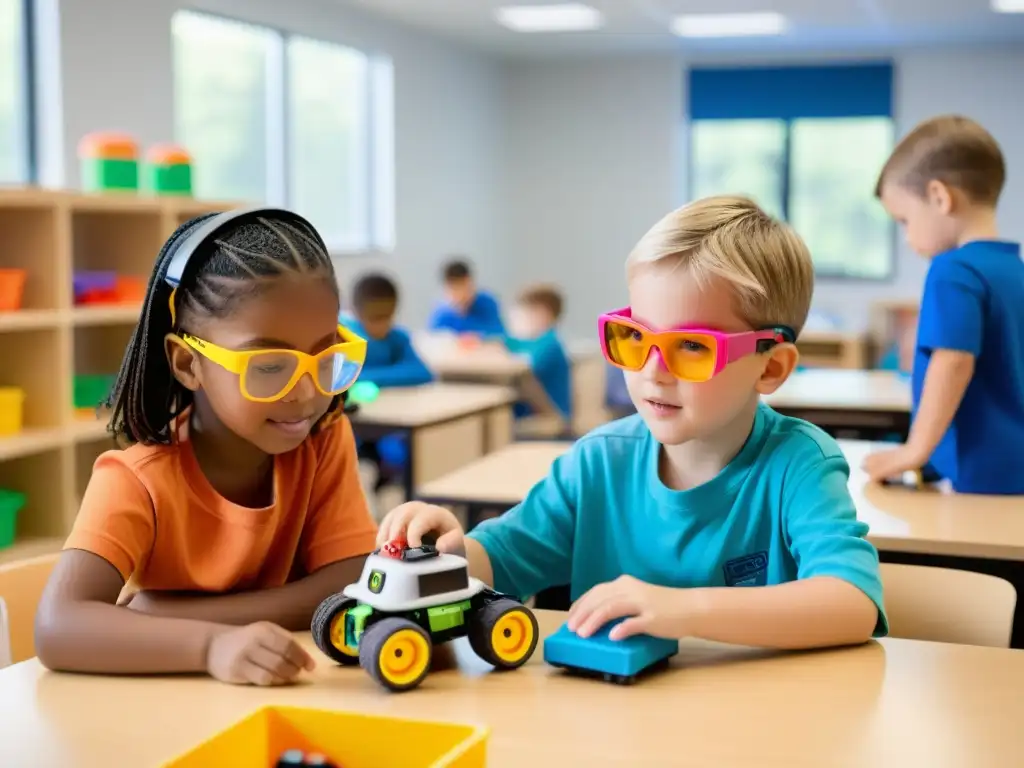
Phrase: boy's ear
(940, 196)
(183, 362)
(781, 362)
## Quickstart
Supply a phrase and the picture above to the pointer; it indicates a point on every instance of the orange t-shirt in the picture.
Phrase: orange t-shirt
(151, 512)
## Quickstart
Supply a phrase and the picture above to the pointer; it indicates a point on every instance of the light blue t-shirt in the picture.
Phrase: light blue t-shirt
(780, 511)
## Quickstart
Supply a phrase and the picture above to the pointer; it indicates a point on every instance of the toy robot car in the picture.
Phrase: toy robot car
(409, 599)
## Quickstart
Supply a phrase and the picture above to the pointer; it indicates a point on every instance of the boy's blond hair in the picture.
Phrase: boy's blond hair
(766, 262)
(952, 149)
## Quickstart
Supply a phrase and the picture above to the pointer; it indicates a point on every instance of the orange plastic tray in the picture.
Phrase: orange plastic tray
(349, 739)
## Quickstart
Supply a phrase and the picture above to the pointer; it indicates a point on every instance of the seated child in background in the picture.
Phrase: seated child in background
(391, 361)
(942, 184)
(655, 518)
(533, 332)
(236, 507)
(466, 309)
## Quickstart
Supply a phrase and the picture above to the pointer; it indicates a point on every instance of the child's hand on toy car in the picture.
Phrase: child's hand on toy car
(415, 520)
(257, 654)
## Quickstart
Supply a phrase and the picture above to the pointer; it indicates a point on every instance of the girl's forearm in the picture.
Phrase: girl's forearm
(94, 637)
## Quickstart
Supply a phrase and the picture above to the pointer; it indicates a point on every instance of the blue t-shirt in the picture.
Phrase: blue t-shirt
(974, 302)
(550, 365)
(482, 317)
(780, 511)
(391, 361)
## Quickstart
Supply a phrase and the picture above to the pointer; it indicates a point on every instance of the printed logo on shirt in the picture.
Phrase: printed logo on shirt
(747, 571)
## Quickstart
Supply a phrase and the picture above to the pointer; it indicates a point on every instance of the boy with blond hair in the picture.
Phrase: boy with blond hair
(653, 519)
(942, 183)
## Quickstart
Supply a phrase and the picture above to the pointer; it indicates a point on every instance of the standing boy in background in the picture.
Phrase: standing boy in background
(942, 184)
(533, 332)
(466, 309)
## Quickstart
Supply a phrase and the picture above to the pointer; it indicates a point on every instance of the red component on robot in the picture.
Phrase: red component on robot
(395, 548)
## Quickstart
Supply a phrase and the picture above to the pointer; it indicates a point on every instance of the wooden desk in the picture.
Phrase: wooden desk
(490, 362)
(847, 403)
(447, 425)
(887, 704)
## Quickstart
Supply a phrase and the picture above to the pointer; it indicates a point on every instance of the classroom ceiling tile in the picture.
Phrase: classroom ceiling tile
(646, 25)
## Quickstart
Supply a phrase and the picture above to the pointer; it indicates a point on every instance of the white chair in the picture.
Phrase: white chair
(947, 605)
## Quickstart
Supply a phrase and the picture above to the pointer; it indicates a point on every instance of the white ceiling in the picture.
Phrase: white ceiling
(642, 25)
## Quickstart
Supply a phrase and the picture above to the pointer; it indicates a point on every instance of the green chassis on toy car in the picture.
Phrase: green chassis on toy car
(403, 605)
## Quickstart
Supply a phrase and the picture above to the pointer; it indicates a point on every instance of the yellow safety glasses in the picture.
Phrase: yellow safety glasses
(266, 375)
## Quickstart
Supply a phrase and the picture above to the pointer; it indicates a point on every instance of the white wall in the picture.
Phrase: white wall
(116, 72)
(596, 150)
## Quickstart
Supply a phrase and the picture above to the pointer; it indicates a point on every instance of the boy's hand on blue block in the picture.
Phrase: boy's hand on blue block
(648, 609)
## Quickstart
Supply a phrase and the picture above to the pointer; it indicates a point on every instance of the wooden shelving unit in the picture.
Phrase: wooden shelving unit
(833, 349)
(52, 234)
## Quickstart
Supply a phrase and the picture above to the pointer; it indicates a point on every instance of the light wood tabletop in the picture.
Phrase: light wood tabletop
(839, 389)
(432, 403)
(929, 521)
(895, 703)
(450, 359)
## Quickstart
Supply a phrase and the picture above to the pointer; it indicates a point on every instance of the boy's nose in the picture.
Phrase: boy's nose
(655, 368)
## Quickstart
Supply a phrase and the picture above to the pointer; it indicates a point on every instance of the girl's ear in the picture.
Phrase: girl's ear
(781, 362)
(182, 360)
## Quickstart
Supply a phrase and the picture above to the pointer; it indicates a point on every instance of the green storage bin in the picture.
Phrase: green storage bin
(92, 390)
(103, 175)
(11, 503)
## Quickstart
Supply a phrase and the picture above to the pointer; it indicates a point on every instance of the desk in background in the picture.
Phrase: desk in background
(447, 425)
(927, 527)
(887, 704)
(867, 405)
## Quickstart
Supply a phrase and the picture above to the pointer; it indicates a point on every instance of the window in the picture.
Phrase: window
(221, 97)
(807, 144)
(16, 163)
(285, 119)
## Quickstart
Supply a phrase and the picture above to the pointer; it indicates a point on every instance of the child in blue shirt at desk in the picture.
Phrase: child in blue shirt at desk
(466, 309)
(658, 518)
(533, 322)
(942, 184)
(391, 361)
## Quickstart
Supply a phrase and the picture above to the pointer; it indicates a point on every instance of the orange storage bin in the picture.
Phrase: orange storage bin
(12, 288)
(348, 739)
(12, 405)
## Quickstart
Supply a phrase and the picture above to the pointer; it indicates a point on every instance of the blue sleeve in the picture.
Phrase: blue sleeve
(407, 370)
(530, 546)
(952, 309)
(440, 319)
(491, 324)
(823, 533)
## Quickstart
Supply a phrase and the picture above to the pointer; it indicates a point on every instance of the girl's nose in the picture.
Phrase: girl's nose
(303, 390)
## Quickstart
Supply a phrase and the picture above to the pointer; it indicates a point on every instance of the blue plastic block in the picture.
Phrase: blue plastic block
(600, 654)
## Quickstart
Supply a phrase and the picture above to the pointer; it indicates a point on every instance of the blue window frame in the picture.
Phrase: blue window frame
(807, 143)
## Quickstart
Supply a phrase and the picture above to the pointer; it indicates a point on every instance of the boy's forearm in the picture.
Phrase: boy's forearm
(945, 382)
(99, 638)
(479, 562)
(809, 613)
(291, 606)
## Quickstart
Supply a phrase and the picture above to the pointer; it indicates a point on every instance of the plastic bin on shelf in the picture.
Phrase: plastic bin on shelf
(12, 288)
(11, 503)
(108, 288)
(91, 390)
(349, 739)
(12, 406)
